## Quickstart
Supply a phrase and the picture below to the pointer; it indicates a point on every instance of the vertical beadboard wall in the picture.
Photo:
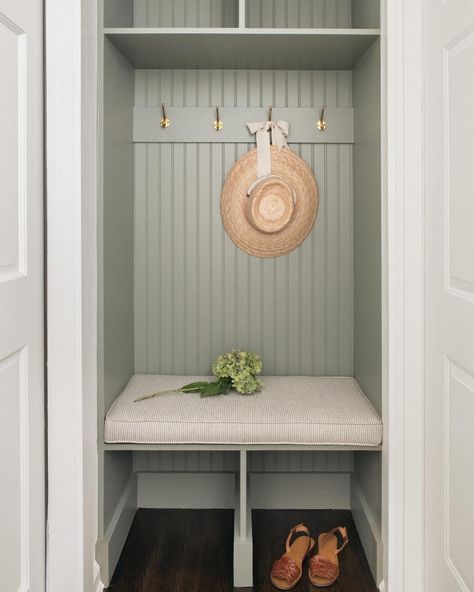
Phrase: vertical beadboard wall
(299, 13)
(186, 13)
(196, 294)
(259, 13)
(259, 462)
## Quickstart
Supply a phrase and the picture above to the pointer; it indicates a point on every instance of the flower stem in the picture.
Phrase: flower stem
(157, 394)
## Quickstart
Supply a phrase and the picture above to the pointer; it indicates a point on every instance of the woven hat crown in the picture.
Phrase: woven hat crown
(271, 216)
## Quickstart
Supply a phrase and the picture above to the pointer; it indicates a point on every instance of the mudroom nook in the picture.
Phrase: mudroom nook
(178, 83)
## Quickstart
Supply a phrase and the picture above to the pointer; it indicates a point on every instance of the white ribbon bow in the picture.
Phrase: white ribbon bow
(279, 132)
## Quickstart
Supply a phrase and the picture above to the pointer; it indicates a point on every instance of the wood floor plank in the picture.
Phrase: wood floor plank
(191, 551)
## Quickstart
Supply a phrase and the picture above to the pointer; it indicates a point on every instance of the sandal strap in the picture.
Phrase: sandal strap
(343, 532)
(286, 569)
(321, 567)
(294, 530)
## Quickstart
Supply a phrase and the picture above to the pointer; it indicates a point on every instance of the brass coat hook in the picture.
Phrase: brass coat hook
(164, 121)
(321, 124)
(270, 109)
(218, 124)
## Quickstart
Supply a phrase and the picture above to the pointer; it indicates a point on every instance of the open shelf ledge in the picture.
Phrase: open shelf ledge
(261, 49)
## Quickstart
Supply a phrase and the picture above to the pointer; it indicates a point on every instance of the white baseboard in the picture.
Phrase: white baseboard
(382, 586)
(368, 529)
(98, 586)
(300, 491)
(186, 490)
(267, 490)
(109, 548)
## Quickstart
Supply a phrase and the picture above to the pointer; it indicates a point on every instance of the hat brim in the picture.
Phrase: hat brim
(234, 201)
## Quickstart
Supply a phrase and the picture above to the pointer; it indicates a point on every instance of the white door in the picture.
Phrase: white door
(22, 463)
(449, 294)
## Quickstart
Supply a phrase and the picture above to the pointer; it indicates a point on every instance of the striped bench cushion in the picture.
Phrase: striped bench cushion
(297, 410)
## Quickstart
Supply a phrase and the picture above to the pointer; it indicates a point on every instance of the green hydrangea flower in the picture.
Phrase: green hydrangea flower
(241, 368)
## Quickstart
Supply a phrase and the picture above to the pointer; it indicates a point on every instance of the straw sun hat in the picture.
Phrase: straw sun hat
(270, 215)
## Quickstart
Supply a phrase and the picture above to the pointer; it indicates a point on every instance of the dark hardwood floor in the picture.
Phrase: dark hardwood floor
(191, 551)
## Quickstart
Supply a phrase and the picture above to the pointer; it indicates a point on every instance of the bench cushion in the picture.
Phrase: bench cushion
(297, 410)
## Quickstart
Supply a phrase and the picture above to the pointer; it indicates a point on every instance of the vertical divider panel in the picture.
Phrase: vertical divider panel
(243, 555)
(243, 494)
(242, 14)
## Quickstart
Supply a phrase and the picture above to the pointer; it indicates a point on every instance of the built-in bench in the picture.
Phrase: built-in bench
(316, 413)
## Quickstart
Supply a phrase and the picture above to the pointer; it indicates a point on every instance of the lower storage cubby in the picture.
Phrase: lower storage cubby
(189, 550)
(247, 482)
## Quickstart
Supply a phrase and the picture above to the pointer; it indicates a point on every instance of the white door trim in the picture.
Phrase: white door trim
(71, 42)
(404, 457)
(71, 107)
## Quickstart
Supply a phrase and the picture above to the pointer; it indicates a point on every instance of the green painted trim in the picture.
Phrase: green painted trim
(195, 124)
(257, 49)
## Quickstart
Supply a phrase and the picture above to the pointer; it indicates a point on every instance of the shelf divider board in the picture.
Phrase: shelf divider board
(243, 48)
(242, 14)
(243, 494)
(243, 552)
(195, 124)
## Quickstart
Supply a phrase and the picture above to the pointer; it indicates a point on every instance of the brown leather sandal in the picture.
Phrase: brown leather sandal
(287, 571)
(324, 567)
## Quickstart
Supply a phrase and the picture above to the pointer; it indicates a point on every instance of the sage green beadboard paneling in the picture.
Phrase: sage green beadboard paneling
(196, 294)
(367, 227)
(366, 14)
(259, 462)
(118, 13)
(259, 13)
(367, 259)
(368, 470)
(279, 461)
(299, 13)
(115, 306)
(186, 13)
(192, 461)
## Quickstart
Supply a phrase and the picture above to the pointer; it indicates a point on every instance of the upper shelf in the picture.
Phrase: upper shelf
(254, 49)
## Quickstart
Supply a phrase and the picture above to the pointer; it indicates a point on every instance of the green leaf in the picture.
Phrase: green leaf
(193, 387)
(221, 387)
(226, 384)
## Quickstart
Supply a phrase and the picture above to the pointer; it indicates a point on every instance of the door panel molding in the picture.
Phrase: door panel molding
(22, 389)
(14, 380)
(14, 219)
(459, 130)
(459, 482)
